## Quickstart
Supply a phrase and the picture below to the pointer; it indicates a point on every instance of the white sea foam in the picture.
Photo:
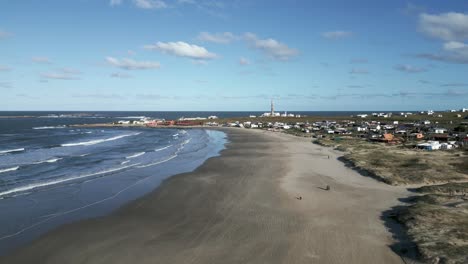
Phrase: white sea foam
(11, 150)
(132, 117)
(9, 169)
(49, 127)
(176, 135)
(48, 161)
(159, 149)
(135, 155)
(62, 180)
(97, 141)
(125, 162)
(156, 163)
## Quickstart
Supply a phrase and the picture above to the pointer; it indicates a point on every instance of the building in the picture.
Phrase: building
(430, 145)
(272, 111)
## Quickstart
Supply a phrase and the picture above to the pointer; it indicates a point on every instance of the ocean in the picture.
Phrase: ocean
(52, 174)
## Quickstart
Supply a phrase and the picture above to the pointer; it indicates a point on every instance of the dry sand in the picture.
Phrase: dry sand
(240, 207)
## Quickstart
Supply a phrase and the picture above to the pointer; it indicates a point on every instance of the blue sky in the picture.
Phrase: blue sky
(233, 55)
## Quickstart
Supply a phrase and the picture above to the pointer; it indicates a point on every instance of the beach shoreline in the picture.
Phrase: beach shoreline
(240, 207)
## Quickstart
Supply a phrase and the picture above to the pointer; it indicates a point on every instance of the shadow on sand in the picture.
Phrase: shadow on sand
(403, 246)
(350, 164)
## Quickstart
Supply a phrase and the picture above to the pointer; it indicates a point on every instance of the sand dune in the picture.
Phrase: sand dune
(240, 207)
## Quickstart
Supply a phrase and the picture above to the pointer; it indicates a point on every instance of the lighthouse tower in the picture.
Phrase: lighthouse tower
(272, 112)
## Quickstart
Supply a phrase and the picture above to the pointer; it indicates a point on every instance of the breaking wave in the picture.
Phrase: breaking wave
(49, 127)
(48, 161)
(9, 169)
(159, 149)
(135, 155)
(58, 181)
(11, 151)
(97, 141)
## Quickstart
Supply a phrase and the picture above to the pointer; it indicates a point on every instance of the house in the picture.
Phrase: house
(441, 137)
(388, 137)
(426, 122)
(430, 145)
(375, 128)
(446, 146)
(440, 130)
(417, 135)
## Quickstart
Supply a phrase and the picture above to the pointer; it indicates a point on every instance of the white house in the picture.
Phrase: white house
(440, 130)
(430, 145)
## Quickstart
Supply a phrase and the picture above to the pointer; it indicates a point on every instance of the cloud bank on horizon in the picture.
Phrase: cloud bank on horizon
(233, 55)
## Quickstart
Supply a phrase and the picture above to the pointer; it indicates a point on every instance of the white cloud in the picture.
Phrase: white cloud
(220, 38)
(115, 2)
(129, 64)
(359, 61)
(5, 85)
(59, 76)
(182, 49)
(337, 34)
(456, 84)
(186, 2)
(271, 47)
(150, 4)
(409, 68)
(70, 70)
(4, 34)
(120, 75)
(244, 61)
(43, 60)
(4, 68)
(359, 71)
(447, 26)
(454, 52)
(460, 49)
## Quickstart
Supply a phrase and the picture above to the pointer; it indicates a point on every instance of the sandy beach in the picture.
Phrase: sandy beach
(240, 207)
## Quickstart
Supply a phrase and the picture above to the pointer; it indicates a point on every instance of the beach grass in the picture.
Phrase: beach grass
(438, 223)
(401, 164)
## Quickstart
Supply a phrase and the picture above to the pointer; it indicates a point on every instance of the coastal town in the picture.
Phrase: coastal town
(429, 130)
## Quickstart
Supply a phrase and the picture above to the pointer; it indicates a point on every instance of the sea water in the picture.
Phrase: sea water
(52, 173)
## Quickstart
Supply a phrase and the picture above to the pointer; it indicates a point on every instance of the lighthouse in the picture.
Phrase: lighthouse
(272, 112)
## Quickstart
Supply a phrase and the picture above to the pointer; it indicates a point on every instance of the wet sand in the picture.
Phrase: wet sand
(241, 207)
